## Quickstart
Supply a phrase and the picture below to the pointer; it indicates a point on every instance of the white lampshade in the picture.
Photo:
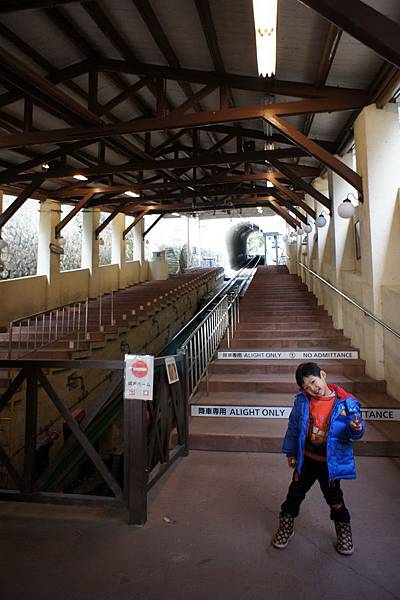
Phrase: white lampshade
(308, 228)
(101, 242)
(346, 210)
(321, 221)
(285, 238)
(3, 244)
(299, 231)
(61, 241)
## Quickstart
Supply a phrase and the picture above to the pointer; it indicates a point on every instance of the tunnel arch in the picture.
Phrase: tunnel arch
(236, 242)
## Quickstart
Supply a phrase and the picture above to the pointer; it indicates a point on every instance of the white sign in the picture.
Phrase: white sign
(172, 371)
(380, 414)
(139, 376)
(282, 412)
(281, 355)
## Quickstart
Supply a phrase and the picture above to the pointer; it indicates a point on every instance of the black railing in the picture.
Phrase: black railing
(155, 433)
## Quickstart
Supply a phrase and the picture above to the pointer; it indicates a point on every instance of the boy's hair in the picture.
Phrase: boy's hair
(305, 370)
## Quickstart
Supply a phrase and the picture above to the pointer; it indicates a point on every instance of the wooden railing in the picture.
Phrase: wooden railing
(154, 434)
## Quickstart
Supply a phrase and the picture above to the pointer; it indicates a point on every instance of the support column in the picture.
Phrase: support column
(90, 248)
(118, 247)
(138, 243)
(341, 229)
(377, 137)
(48, 262)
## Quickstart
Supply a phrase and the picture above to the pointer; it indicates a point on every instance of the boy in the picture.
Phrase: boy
(324, 421)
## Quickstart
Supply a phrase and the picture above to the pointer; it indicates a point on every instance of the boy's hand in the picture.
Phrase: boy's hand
(356, 423)
(292, 461)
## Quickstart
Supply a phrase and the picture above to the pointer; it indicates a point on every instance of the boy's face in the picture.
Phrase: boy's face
(316, 386)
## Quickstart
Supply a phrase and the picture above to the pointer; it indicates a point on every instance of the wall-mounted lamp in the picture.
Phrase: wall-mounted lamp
(299, 231)
(61, 241)
(101, 241)
(308, 227)
(346, 210)
(3, 244)
(320, 221)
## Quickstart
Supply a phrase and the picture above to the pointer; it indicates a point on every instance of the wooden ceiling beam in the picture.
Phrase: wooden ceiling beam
(210, 35)
(289, 205)
(365, 24)
(318, 152)
(301, 184)
(354, 100)
(21, 199)
(8, 6)
(284, 213)
(241, 82)
(201, 160)
(328, 54)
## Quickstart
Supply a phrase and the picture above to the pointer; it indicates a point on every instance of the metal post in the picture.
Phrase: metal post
(36, 332)
(19, 338)
(86, 318)
(112, 307)
(10, 339)
(100, 312)
(78, 327)
(27, 335)
(50, 323)
(62, 321)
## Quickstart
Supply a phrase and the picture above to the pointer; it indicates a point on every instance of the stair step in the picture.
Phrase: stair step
(263, 383)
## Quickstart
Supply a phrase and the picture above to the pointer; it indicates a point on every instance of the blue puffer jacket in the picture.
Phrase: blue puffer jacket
(339, 450)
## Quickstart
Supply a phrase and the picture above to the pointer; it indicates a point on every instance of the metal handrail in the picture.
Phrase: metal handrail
(200, 347)
(364, 310)
(225, 287)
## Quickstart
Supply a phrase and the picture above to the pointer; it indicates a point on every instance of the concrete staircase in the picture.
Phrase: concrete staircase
(280, 326)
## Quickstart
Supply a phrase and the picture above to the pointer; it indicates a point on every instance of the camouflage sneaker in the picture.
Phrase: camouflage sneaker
(284, 533)
(344, 538)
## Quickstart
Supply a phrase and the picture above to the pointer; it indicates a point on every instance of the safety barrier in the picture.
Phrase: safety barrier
(155, 434)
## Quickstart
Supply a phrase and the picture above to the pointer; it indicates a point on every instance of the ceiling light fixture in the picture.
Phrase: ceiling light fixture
(80, 177)
(346, 210)
(175, 214)
(265, 22)
(132, 194)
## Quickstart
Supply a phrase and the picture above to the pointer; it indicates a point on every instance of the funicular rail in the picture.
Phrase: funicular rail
(148, 430)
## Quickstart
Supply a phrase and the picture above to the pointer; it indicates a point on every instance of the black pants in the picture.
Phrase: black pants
(311, 471)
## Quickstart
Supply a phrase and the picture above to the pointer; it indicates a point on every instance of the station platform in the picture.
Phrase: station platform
(210, 521)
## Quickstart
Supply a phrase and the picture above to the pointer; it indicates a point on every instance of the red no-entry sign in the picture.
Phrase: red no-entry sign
(140, 368)
(139, 377)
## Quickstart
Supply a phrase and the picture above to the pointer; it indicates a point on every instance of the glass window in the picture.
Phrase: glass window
(21, 233)
(105, 245)
(130, 240)
(72, 233)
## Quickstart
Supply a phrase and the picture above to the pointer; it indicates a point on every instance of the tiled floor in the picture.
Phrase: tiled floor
(209, 526)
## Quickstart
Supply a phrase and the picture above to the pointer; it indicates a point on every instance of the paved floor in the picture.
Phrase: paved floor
(207, 536)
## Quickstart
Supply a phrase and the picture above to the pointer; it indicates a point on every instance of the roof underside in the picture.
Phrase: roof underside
(65, 61)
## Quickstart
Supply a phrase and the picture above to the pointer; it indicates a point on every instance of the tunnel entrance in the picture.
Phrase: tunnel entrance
(246, 240)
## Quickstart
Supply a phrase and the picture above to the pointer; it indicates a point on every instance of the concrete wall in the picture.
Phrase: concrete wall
(28, 295)
(374, 279)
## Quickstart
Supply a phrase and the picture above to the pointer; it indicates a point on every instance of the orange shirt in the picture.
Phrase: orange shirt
(320, 412)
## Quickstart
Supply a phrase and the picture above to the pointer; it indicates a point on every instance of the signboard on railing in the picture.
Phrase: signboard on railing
(139, 377)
